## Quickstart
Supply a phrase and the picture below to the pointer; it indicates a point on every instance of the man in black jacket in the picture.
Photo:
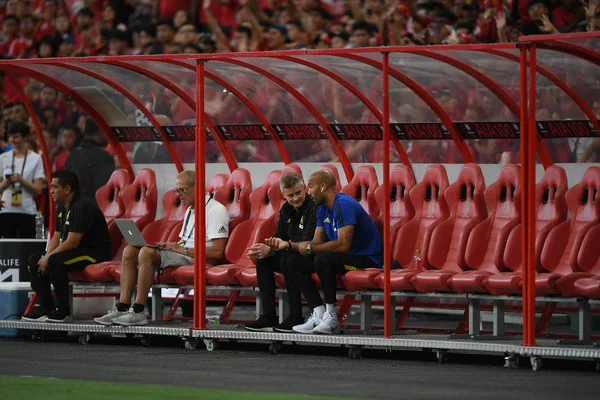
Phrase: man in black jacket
(92, 164)
(81, 238)
(297, 221)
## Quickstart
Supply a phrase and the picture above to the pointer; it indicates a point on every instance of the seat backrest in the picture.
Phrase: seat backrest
(466, 205)
(402, 181)
(266, 202)
(551, 210)
(141, 198)
(295, 168)
(362, 188)
(431, 209)
(173, 208)
(487, 241)
(108, 197)
(333, 169)
(562, 246)
(235, 196)
(216, 182)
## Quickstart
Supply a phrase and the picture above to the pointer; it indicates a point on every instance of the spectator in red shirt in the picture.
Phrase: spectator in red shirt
(47, 17)
(567, 16)
(9, 32)
(23, 46)
(69, 135)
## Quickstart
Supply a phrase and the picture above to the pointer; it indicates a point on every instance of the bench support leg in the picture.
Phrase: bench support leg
(585, 327)
(498, 315)
(366, 315)
(474, 316)
(284, 306)
(157, 304)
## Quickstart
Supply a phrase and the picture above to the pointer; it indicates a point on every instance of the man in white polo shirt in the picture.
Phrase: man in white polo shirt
(168, 254)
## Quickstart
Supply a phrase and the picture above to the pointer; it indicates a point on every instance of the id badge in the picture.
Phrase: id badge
(16, 197)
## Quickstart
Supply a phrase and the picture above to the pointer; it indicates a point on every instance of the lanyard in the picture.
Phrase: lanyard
(64, 225)
(185, 225)
(23, 166)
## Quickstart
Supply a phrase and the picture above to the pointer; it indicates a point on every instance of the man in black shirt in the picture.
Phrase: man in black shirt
(297, 221)
(92, 164)
(81, 238)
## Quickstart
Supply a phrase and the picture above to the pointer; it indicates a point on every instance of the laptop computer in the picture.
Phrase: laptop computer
(131, 233)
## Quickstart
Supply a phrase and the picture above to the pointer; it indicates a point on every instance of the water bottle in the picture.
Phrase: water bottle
(418, 261)
(40, 230)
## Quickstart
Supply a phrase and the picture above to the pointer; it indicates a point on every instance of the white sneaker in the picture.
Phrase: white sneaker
(309, 325)
(131, 318)
(328, 325)
(109, 317)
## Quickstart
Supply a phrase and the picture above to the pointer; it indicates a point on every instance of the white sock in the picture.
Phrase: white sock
(331, 309)
(319, 311)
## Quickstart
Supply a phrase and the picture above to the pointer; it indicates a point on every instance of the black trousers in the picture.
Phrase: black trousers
(17, 226)
(56, 274)
(282, 262)
(328, 265)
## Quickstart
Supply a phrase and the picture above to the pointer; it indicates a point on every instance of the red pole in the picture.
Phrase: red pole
(200, 206)
(387, 248)
(529, 214)
(524, 161)
(45, 152)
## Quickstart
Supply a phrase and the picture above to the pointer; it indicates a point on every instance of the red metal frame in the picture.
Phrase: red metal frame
(571, 49)
(94, 115)
(338, 148)
(364, 99)
(558, 82)
(125, 92)
(200, 214)
(45, 152)
(426, 97)
(229, 158)
(261, 117)
(495, 89)
(388, 307)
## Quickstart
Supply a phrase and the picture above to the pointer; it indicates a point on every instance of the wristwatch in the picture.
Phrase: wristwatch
(307, 251)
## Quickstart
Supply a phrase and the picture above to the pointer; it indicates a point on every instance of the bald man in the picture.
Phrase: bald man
(345, 239)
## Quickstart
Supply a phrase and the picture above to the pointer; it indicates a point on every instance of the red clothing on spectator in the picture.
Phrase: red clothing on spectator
(19, 48)
(60, 161)
(168, 8)
(44, 28)
(224, 13)
(562, 17)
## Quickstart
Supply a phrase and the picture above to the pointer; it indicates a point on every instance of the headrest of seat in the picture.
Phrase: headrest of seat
(231, 191)
(402, 180)
(272, 179)
(108, 193)
(289, 168)
(173, 209)
(506, 190)
(550, 194)
(465, 195)
(332, 168)
(144, 181)
(217, 182)
(435, 177)
(120, 177)
(583, 199)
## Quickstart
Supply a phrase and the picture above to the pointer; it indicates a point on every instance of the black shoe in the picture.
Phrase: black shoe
(262, 324)
(287, 325)
(38, 314)
(59, 316)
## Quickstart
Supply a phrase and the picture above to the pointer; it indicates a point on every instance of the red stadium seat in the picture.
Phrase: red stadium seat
(446, 254)
(235, 196)
(362, 188)
(551, 210)
(291, 168)
(266, 202)
(332, 168)
(588, 287)
(217, 182)
(109, 201)
(561, 253)
(486, 244)
(430, 211)
(402, 181)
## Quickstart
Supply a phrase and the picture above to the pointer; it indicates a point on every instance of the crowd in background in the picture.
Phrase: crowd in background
(78, 28)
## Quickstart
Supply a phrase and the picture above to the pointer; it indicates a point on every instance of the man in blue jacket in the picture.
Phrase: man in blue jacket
(345, 239)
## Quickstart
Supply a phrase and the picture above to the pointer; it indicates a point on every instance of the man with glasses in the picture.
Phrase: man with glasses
(167, 254)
